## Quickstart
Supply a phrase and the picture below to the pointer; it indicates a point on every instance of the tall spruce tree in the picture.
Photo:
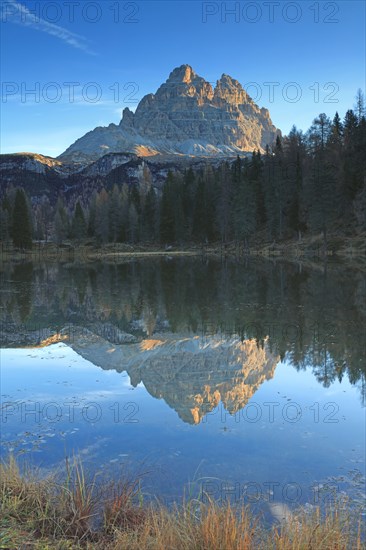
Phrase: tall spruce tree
(61, 223)
(167, 233)
(321, 188)
(21, 221)
(149, 217)
(78, 227)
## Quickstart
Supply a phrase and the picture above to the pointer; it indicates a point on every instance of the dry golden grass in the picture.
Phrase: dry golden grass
(336, 530)
(42, 514)
(203, 527)
(44, 508)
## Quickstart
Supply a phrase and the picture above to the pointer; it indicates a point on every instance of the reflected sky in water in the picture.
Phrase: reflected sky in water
(242, 380)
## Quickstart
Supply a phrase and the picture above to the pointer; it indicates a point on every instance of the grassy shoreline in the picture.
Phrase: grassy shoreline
(70, 513)
(351, 250)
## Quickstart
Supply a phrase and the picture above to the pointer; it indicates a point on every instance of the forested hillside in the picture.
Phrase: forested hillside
(306, 184)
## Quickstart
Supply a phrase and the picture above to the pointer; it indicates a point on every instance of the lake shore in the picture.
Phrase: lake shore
(311, 250)
(73, 512)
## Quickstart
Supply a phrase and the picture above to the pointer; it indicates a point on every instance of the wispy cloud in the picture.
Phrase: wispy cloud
(21, 15)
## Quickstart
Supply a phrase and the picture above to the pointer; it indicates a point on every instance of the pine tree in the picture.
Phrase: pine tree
(244, 203)
(199, 233)
(167, 233)
(319, 132)
(61, 224)
(321, 188)
(21, 222)
(188, 192)
(5, 219)
(352, 181)
(274, 191)
(149, 217)
(101, 216)
(91, 215)
(360, 105)
(210, 199)
(78, 227)
(133, 223)
(294, 151)
(124, 202)
(336, 132)
(224, 203)
(114, 215)
(179, 221)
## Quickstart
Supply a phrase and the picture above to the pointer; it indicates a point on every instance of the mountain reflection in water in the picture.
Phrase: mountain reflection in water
(193, 375)
(196, 333)
(242, 374)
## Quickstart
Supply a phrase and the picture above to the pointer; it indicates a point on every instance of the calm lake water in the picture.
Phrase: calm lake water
(246, 380)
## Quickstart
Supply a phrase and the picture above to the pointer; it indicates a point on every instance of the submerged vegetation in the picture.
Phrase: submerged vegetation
(45, 513)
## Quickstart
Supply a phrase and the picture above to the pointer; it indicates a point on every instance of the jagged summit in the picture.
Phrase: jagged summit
(184, 73)
(185, 116)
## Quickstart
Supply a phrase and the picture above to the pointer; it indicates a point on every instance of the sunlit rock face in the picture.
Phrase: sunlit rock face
(186, 116)
(192, 374)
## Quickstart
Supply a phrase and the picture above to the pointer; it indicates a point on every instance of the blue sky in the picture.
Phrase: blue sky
(114, 52)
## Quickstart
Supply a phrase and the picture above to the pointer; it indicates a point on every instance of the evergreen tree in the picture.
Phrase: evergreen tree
(210, 200)
(360, 108)
(123, 225)
(321, 185)
(188, 192)
(224, 204)
(101, 216)
(274, 198)
(114, 215)
(352, 182)
(179, 222)
(61, 224)
(199, 233)
(244, 204)
(149, 217)
(133, 223)
(91, 215)
(5, 219)
(336, 133)
(78, 227)
(294, 158)
(167, 227)
(21, 222)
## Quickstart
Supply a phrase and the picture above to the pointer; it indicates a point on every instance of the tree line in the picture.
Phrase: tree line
(201, 297)
(306, 183)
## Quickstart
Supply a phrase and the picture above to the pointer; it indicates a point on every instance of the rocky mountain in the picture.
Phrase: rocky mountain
(193, 374)
(186, 122)
(186, 116)
(45, 176)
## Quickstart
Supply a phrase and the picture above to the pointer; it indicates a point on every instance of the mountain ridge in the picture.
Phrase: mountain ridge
(186, 116)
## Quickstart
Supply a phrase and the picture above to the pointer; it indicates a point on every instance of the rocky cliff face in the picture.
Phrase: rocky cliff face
(186, 116)
(192, 374)
(43, 176)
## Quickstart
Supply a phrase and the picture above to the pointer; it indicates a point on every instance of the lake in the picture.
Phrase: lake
(245, 380)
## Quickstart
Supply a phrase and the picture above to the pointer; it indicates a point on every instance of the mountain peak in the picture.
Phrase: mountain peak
(184, 73)
(229, 91)
(185, 116)
(228, 80)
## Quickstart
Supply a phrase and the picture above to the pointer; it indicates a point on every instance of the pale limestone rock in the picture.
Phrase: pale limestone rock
(186, 116)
